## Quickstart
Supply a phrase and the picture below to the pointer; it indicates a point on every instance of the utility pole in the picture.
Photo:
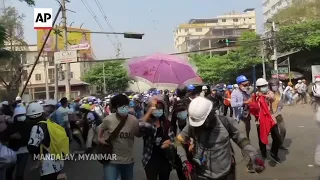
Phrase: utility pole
(45, 58)
(65, 31)
(104, 79)
(56, 68)
(264, 75)
(275, 55)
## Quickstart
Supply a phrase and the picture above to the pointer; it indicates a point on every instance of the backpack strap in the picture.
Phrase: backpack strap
(117, 130)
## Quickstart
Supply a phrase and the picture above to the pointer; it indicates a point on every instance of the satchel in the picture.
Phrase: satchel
(107, 149)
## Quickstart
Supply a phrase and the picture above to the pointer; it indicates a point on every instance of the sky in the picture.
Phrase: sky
(156, 19)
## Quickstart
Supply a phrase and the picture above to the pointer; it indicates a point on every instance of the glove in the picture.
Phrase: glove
(258, 165)
(187, 169)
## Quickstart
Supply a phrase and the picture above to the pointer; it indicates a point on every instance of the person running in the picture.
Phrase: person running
(123, 143)
(213, 154)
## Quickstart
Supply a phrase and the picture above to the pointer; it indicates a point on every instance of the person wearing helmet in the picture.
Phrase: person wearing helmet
(216, 161)
(192, 92)
(301, 89)
(276, 103)
(216, 99)
(226, 102)
(288, 93)
(158, 143)
(204, 91)
(123, 143)
(39, 136)
(240, 98)
(266, 123)
(49, 107)
(17, 135)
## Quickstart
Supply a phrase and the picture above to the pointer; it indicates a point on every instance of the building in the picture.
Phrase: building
(271, 7)
(205, 33)
(44, 73)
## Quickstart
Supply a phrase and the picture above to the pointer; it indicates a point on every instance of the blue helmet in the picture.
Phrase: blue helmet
(191, 88)
(131, 104)
(240, 79)
(229, 87)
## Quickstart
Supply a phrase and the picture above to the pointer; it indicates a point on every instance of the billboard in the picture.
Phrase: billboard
(74, 39)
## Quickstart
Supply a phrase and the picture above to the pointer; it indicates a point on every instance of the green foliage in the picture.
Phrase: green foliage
(226, 67)
(115, 75)
(299, 11)
(29, 2)
(305, 35)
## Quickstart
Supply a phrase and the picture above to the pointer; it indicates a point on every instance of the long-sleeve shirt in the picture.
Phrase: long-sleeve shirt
(237, 98)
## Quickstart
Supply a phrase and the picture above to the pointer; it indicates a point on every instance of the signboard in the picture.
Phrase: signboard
(281, 70)
(192, 25)
(65, 57)
(80, 40)
(42, 18)
(315, 71)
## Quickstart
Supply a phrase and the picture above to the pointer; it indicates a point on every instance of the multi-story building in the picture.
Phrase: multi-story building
(271, 7)
(44, 73)
(205, 33)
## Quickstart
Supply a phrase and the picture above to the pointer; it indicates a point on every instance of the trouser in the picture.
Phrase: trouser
(53, 176)
(245, 126)
(302, 96)
(282, 128)
(112, 171)
(230, 176)
(179, 169)
(20, 166)
(237, 113)
(158, 170)
(225, 110)
(276, 142)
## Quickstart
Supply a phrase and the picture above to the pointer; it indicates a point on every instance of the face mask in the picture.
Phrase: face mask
(274, 88)
(242, 88)
(157, 113)
(123, 111)
(21, 118)
(264, 89)
(182, 115)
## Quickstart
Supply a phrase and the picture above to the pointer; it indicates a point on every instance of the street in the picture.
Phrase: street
(302, 134)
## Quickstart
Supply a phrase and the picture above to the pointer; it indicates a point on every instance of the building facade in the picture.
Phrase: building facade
(44, 74)
(201, 34)
(271, 7)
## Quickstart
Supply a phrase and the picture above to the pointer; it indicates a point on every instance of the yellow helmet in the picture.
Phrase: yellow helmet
(86, 107)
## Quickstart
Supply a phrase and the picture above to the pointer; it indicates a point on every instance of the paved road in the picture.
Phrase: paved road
(302, 134)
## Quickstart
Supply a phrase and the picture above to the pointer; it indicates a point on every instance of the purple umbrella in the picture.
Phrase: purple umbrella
(162, 68)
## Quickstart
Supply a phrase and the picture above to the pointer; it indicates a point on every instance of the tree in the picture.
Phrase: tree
(115, 76)
(226, 67)
(29, 2)
(12, 45)
(299, 11)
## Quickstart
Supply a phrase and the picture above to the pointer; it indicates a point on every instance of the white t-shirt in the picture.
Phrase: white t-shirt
(48, 166)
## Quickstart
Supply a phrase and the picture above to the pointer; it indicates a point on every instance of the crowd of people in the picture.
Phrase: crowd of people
(185, 130)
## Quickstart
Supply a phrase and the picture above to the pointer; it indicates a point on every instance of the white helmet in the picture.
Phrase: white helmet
(198, 111)
(317, 80)
(204, 87)
(299, 81)
(34, 110)
(261, 82)
(280, 82)
(235, 86)
(18, 98)
(50, 102)
(21, 112)
(135, 96)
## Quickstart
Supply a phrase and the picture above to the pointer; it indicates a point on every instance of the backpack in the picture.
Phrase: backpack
(59, 141)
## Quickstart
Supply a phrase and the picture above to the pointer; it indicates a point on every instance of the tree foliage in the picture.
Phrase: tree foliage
(115, 76)
(299, 11)
(217, 68)
(12, 45)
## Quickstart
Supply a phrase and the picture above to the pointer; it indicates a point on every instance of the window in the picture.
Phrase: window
(186, 30)
(51, 73)
(198, 29)
(71, 74)
(235, 20)
(38, 77)
(224, 20)
(51, 61)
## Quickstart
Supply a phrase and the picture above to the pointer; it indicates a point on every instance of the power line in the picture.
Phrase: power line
(98, 22)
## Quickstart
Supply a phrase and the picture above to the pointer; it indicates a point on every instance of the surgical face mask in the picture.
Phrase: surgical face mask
(123, 110)
(157, 113)
(264, 89)
(182, 115)
(21, 118)
(242, 88)
(274, 88)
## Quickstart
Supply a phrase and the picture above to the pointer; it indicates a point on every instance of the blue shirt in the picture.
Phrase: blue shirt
(61, 116)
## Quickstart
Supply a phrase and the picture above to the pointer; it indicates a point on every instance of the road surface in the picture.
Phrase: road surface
(302, 135)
